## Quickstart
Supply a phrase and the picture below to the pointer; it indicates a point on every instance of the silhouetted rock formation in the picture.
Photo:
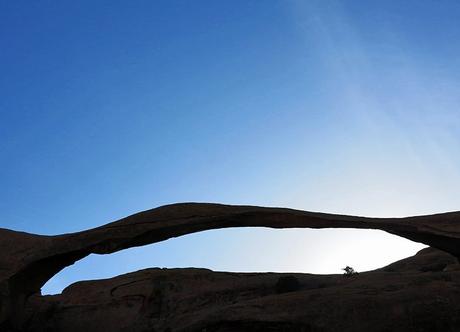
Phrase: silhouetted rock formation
(202, 300)
(27, 261)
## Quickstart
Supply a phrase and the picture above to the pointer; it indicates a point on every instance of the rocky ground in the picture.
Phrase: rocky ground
(420, 293)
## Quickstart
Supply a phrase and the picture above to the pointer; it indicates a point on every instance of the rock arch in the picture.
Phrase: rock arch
(28, 261)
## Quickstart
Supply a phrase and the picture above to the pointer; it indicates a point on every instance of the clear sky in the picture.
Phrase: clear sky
(108, 108)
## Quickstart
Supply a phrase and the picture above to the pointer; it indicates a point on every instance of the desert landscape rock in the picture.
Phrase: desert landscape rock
(421, 293)
(399, 297)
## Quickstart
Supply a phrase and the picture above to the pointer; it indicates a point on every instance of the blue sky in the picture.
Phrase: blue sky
(112, 107)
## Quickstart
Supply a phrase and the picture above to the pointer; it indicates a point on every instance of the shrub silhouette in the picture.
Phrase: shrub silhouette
(349, 271)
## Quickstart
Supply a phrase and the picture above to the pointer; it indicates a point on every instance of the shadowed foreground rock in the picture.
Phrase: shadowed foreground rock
(421, 293)
(27, 261)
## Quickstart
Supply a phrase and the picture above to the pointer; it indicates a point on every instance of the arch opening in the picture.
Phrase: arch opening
(251, 249)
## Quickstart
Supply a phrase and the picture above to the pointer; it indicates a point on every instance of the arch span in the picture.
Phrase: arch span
(27, 261)
(248, 250)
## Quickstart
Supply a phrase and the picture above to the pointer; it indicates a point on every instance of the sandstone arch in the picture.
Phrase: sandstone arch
(27, 261)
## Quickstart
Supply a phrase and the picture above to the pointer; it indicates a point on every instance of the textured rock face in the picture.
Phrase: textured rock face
(416, 294)
(27, 261)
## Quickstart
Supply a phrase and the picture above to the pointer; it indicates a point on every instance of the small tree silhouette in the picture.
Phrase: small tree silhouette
(349, 271)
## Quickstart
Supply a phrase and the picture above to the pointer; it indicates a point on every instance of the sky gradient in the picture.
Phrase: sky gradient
(108, 108)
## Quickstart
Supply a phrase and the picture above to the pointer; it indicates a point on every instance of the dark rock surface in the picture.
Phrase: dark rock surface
(406, 299)
(158, 300)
